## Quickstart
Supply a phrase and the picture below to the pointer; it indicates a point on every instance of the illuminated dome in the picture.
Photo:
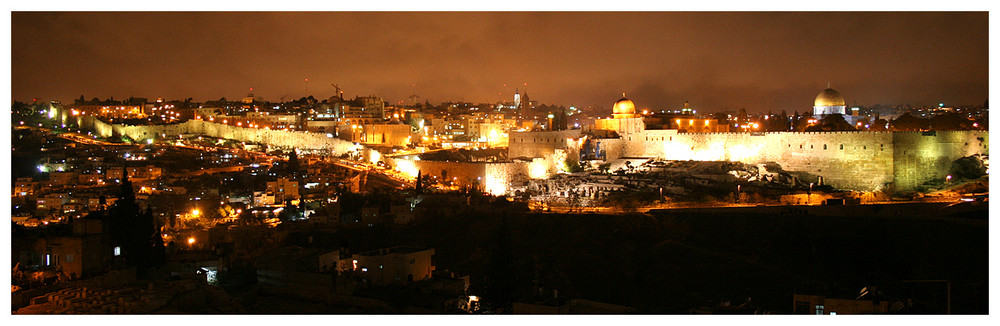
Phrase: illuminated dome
(829, 97)
(624, 108)
(829, 101)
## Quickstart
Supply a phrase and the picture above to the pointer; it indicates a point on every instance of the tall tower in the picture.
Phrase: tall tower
(517, 99)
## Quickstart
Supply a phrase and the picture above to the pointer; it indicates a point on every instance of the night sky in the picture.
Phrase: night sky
(717, 61)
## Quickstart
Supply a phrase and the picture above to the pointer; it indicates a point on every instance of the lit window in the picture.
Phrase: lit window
(118, 251)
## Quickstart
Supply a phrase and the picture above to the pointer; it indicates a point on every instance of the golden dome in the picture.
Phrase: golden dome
(829, 97)
(623, 106)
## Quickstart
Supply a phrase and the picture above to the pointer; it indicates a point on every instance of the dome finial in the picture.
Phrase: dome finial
(827, 84)
(623, 94)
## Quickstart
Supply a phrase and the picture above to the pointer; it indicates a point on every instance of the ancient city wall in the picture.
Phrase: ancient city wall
(848, 160)
(494, 177)
(541, 143)
(278, 138)
(923, 156)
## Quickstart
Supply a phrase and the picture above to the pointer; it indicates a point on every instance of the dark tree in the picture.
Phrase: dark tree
(134, 231)
(950, 121)
(293, 164)
(908, 122)
(831, 122)
(561, 120)
(799, 122)
(419, 187)
(968, 167)
(781, 122)
(835, 122)
(879, 125)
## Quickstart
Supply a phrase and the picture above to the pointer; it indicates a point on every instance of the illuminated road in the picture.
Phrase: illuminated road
(85, 139)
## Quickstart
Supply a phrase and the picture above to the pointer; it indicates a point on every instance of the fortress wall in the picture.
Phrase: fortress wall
(922, 157)
(540, 143)
(849, 160)
(495, 177)
(499, 176)
(613, 148)
(279, 138)
(464, 171)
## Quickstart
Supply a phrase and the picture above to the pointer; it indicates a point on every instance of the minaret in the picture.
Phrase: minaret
(517, 99)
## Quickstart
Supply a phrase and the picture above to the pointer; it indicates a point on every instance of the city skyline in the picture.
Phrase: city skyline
(718, 61)
(650, 163)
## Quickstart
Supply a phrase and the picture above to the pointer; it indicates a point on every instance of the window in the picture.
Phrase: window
(69, 258)
(841, 146)
(118, 251)
(819, 309)
(824, 147)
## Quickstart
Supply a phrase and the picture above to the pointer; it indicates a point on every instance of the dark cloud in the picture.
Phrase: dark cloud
(758, 61)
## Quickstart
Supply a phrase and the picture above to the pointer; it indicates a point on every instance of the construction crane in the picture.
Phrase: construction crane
(337, 91)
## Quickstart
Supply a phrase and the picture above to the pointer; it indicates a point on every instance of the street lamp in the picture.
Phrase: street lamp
(738, 193)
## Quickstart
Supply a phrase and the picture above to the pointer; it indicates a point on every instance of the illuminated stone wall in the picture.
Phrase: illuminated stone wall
(279, 138)
(494, 177)
(847, 160)
(387, 134)
(850, 160)
(540, 143)
(921, 157)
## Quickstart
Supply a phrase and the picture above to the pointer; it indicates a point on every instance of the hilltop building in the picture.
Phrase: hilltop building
(828, 102)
